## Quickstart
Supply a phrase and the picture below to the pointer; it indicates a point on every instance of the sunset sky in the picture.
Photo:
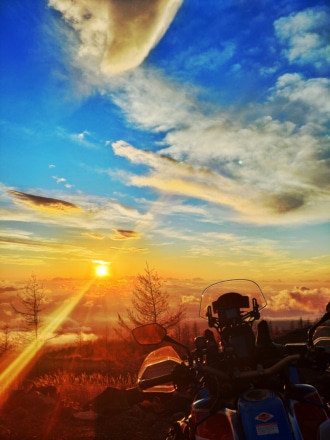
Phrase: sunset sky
(192, 135)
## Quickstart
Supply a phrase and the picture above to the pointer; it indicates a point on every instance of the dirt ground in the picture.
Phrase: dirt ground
(123, 426)
(39, 416)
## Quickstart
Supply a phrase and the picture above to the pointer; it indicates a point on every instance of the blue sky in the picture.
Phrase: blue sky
(192, 135)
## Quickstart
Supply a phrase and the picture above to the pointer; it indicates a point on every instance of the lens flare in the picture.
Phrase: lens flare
(21, 363)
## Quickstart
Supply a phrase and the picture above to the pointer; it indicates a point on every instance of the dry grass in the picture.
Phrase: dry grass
(75, 390)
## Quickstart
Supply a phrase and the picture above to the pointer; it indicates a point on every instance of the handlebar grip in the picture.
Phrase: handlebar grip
(144, 384)
(273, 369)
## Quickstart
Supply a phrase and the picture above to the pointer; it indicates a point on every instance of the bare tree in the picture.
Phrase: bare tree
(31, 304)
(150, 303)
(5, 344)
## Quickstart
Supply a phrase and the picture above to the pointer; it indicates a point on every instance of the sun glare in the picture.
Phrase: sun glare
(19, 365)
(101, 270)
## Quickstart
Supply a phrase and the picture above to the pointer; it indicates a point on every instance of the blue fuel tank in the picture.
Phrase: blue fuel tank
(263, 416)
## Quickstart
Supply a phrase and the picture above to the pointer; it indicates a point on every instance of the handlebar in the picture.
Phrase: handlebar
(254, 374)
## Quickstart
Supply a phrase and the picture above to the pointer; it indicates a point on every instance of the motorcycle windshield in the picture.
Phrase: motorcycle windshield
(246, 288)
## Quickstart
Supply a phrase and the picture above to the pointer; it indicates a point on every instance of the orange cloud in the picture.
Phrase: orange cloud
(44, 203)
(124, 234)
(298, 300)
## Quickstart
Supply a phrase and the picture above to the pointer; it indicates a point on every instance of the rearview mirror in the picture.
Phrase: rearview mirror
(149, 334)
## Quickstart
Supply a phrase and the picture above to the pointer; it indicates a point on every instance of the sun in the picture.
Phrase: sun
(101, 270)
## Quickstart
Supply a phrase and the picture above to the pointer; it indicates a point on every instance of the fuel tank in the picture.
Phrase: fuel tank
(264, 416)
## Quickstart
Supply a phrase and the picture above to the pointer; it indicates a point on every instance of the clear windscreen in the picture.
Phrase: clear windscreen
(242, 286)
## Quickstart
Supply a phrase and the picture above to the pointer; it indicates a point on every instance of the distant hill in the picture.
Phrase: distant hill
(298, 335)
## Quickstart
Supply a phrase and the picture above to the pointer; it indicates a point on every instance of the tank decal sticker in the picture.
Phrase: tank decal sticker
(264, 417)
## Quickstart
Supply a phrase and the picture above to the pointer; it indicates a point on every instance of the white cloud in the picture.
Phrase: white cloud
(59, 179)
(152, 102)
(267, 163)
(179, 178)
(306, 34)
(256, 167)
(212, 58)
(85, 138)
(313, 94)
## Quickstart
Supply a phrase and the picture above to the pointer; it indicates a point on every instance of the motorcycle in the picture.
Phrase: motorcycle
(246, 386)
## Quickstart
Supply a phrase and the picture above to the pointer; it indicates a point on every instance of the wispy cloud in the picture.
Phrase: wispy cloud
(257, 189)
(130, 249)
(94, 235)
(101, 262)
(30, 242)
(59, 179)
(85, 139)
(227, 246)
(175, 177)
(213, 58)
